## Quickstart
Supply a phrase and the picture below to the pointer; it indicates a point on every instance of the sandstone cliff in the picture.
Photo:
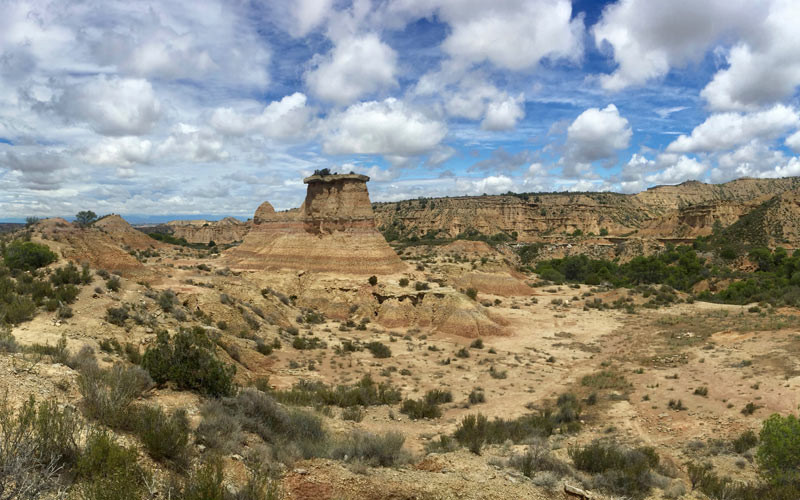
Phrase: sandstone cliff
(333, 231)
(227, 230)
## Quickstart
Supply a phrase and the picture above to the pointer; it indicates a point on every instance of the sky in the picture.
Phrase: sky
(169, 108)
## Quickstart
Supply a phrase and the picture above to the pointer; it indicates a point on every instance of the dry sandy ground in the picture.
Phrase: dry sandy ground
(665, 354)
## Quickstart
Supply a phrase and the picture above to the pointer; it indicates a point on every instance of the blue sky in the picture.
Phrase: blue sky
(211, 107)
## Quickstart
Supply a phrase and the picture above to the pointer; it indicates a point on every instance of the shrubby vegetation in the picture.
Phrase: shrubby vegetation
(189, 360)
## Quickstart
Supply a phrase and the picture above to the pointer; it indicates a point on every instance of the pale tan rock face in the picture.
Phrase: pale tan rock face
(334, 231)
(227, 230)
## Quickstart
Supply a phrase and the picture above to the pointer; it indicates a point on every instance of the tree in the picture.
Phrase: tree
(85, 217)
(27, 256)
(31, 221)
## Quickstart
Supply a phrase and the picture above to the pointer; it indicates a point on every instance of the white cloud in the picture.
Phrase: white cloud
(726, 130)
(307, 15)
(356, 66)
(641, 172)
(597, 134)
(287, 118)
(511, 34)
(793, 141)
(120, 151)
(387, 127)
(111, 106)
(190, 143)
(648, 38)
(764, 68)
(679, 170)
(503, 114)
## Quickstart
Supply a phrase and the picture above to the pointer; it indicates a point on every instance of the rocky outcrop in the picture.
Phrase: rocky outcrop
(227, 230)
(333, 231)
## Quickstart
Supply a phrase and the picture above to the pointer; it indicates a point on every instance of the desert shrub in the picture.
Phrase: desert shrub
(373, 280)
(262, 415)
(438, 396)
(477, 396)
(384, 450)
(27, 256)
(353, 413)
(471, 293)
(306, 343)
(15, 309)
(701, 391)
(263, 348)
(167, 300)
(498, 374)
(69, 275)
(113, 283)
(58, 352)
(117, 315)
(132, 352)
(108, 393)
(462, 353)
(745, 441)
(477, 344)
(403, 282)
(420, 408)
(421, 285)
(165, 437)
(379, 349)
(618, 470)
(537, 458)
(471, 432)
(8, 343)
(64, 312)
(606, 379)
(109, 471)
(219, 429)
(365, 393)
(188, 360)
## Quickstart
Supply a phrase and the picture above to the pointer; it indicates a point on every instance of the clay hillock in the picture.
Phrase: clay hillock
(333, 231)
(224, 231)
(107, 244)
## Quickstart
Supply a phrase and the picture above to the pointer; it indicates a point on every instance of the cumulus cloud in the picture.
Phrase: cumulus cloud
(388, 127)
(111, 106)
(793, 141)
(357, 66)
(284, 119)
(307, 15)
(511, 34)
(764, 67)
(641, 172)
(596, 134)
(503, 114)
(190, 143)
(121, 151)
(726, 130)
(648, 38)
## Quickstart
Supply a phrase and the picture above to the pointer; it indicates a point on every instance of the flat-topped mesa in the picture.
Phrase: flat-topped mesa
(333, 231)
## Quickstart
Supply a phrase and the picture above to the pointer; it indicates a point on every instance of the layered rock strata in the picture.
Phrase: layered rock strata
(333, 231)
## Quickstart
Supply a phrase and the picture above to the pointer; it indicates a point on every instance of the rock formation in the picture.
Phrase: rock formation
(227, 230)
(333, 231)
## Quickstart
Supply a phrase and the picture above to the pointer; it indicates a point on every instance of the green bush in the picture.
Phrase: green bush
(472, 293)
(618, 470)
(27, 256)
(109, 471)
(438, 396)
(477, 396)
(745, 441)
(420, 408)
(108, 393)
(403, 282)
(117, 315)
(113, 283)
(165, 437)
(778, 454)
(379, 350)
(384, 450)
(188, 360)
(471, 432)
(365, 393)
(373, 280)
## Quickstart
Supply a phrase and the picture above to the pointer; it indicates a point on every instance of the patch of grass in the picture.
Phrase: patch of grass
(618, 470)
(606, 379)
(420, 408)
(365, 393)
